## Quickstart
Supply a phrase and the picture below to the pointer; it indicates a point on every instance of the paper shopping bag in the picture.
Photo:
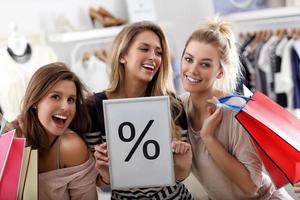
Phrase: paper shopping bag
(28, 187)
(5, 146)
(25, 163)
(31, 183)
(10, 180)
(276, 134)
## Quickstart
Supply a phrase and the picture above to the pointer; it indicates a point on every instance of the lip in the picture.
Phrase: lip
(148, 67)
(60, 120)
(191, 80)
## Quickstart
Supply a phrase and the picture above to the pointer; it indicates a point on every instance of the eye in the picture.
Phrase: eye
(159, 52)
(55, 96)
(144, 49)
(71, 100)
(188, 59)
(205, 65)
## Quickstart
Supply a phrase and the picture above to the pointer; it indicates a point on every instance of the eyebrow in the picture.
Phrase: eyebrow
(57, 92)
(146, 44)
(204, 59)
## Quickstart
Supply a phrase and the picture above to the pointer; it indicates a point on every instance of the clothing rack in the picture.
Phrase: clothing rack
(266, 19)
(89, 46)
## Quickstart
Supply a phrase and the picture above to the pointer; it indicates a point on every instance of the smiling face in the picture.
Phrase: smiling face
(200, 67)
(143, 57)
(57, 108)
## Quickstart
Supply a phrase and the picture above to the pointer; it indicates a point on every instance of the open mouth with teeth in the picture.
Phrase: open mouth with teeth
(192, 80)
(148, 67)
(59, 119)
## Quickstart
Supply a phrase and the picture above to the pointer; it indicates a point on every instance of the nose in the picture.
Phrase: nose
(193, 68)
(154, 57)
(65, 104)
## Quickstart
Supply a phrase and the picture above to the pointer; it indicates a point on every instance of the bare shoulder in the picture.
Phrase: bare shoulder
(73, 150)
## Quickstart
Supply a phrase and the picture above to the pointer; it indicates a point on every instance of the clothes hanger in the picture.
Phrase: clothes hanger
(86, 56)
(17, 46)
(101, 54)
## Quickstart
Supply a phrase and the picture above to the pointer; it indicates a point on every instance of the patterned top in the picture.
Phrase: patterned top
(97, 135)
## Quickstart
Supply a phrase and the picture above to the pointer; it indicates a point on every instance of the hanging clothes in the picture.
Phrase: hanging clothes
(296, 77)
(265, 68)
(92, 72)
(283, 79)
(16, 75)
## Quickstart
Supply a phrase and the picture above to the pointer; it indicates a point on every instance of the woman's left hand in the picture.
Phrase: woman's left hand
(182, 154)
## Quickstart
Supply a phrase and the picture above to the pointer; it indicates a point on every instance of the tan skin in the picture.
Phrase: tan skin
(141, 62)
(72, 151)
(200, 69)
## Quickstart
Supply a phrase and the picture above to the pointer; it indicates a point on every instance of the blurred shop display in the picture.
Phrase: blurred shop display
(141, 10)
(224, 7)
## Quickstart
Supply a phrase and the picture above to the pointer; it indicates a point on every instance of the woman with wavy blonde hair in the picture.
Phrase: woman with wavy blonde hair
(139, 66)
(225, 160)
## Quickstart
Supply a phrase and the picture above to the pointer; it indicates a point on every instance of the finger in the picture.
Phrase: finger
(101, 148)
(100, 156)
(175, 146)
(178, 148)
(101, 165)
(187, 147)
(217, 112)
(213, 100)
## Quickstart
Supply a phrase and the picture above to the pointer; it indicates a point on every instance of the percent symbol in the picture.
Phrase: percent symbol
(139, 140)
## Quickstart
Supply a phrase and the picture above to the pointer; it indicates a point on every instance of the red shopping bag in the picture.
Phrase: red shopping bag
(276, 134)
(11, 174)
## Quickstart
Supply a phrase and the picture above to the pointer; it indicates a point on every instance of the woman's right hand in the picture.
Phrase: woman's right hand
(214, 117)
(102, 161)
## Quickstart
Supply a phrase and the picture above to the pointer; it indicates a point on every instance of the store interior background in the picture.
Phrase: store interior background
(36, 19)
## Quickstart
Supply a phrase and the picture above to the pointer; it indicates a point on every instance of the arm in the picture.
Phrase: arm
(182, 159)
(73, 150)
(228, 164)
(102, 164)
(74, 154)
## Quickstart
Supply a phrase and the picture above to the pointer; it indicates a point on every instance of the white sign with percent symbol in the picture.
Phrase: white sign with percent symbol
(138, 132)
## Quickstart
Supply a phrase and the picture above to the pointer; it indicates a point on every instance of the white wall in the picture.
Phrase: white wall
(177, 17)
(38, 15)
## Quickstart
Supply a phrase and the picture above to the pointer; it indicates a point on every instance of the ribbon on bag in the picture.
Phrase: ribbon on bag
(275, 132)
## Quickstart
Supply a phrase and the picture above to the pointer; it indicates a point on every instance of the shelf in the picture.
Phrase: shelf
(100, 33)
(264, 14)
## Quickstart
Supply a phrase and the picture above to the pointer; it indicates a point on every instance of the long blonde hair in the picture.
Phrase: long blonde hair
(158, 86)
(219, 34)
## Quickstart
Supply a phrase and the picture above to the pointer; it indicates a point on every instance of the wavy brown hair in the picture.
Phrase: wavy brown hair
(40, 84)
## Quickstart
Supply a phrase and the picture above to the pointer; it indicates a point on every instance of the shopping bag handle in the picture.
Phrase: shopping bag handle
(3, 124)
(222, 102)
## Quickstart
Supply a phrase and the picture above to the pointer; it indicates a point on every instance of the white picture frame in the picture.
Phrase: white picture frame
(150, 164)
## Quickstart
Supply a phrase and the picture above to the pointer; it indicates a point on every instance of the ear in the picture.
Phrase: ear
(122, 60)
(220, 73)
